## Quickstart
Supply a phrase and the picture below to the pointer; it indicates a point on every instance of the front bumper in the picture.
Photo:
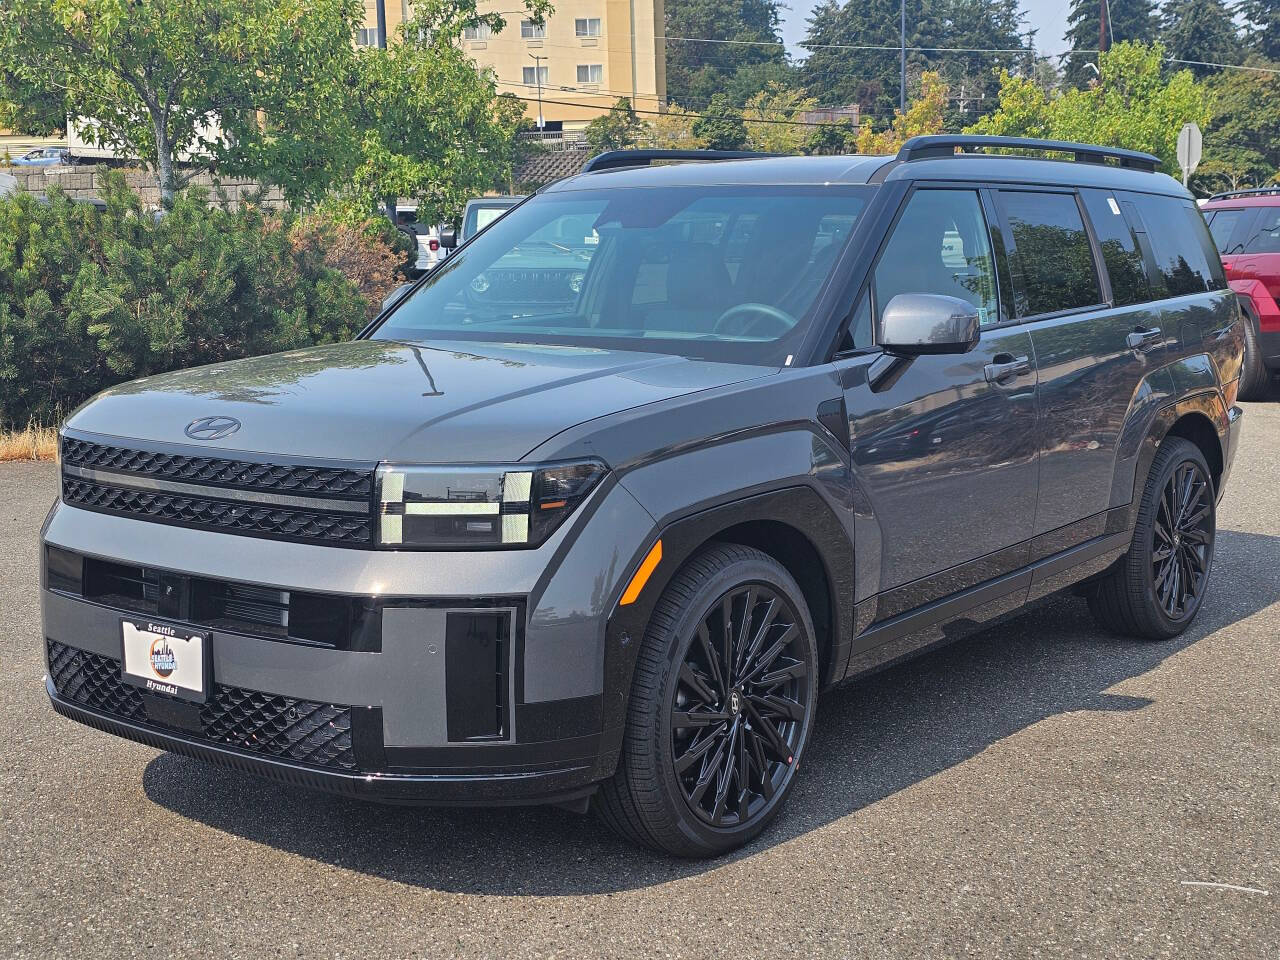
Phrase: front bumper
(562, 785)
(397, 684)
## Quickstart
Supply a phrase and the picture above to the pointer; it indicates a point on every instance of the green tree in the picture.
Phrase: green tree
(774, 118)
(673, 130)
(832, 139)
(1262, 26)
(697, 71)
(616, 130)
(721, 126)
(247, 86)
(1134, 105)
(923, 117)
(844, 66)
(1200, 30)
(1242, 139)
(1132, 20)
(432, 127)
(30, 108)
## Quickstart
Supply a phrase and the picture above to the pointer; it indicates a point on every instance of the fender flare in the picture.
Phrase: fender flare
(799, 507)
(1206, 403)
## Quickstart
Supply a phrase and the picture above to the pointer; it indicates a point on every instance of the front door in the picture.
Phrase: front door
(946, 446)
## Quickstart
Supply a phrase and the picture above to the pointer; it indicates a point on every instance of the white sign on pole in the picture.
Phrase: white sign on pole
(1190, 147)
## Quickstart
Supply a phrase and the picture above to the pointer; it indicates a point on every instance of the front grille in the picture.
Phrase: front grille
(308, 503)
(269, 724)
(336, 621)
(313, 481)
(229, 517)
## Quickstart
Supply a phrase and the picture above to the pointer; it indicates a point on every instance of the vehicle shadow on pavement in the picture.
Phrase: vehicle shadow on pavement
(875, 737)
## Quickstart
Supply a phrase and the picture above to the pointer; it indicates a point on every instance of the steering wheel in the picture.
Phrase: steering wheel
(762, 311)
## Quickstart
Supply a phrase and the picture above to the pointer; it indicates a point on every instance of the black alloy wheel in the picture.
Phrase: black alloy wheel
(739, 705)
(1182, 540)
(1156, 589)
(722, 703)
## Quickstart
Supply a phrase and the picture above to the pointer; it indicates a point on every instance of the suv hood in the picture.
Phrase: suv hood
(388, 400)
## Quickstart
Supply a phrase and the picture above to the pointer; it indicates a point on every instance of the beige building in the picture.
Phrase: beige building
(587, 55)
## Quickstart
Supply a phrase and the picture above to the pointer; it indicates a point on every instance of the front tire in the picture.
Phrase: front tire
(1156, 589)
(722, 704)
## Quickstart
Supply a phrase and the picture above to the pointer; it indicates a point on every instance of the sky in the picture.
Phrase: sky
(1048, 17)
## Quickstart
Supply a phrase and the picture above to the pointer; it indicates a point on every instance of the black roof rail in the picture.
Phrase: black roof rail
(1251, 192)
(616, 159)
(945, 145)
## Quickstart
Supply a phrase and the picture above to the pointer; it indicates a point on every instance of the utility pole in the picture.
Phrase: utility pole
(380, 7)
(902, 33)
(1103, 16)
(537, 76)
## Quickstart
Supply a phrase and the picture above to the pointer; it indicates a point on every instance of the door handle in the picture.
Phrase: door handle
(1141, 336)
(1005, 366)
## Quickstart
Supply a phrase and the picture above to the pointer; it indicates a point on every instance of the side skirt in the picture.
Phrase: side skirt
(950, 618)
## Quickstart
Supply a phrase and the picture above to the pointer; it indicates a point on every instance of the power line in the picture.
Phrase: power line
(689, 116)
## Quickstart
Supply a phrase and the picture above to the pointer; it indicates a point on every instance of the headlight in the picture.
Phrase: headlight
(442, 508)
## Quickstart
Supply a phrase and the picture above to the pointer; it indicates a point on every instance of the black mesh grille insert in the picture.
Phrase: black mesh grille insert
(300, 731)
(93, 681)
(305, 525)
(267, 477)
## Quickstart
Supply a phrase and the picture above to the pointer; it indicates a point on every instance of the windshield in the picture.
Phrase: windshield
(726, 273)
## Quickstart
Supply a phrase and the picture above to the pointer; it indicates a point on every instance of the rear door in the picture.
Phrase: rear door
(1096, 337)
(945, 445)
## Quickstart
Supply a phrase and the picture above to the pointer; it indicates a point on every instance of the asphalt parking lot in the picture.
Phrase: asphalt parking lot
(1039, 790)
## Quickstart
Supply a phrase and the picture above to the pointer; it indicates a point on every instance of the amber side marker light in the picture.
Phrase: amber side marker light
(647, 566)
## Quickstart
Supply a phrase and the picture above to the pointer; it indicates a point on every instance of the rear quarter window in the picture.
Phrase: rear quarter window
(1184, 255)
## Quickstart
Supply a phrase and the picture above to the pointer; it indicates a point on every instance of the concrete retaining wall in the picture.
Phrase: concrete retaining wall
(86, 181)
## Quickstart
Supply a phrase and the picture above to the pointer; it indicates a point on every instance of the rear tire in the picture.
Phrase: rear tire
(746, 696)
(1156, 589)
(1255, 378)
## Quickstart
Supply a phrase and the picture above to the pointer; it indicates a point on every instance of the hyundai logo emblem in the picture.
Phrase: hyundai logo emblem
(212, 428)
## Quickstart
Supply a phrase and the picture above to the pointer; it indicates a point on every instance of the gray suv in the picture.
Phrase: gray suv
(594, 513)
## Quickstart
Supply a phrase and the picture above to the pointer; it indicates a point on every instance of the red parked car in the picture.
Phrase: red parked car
(1246, 227)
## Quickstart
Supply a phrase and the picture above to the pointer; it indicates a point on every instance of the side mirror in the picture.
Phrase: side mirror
(396, 295)
(448, 237)
(916, 323)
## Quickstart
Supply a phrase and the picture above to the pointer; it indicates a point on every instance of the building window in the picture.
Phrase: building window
(532, 31)
(590, 73)
(479, 32)
(586, 27)
(531, 78)
(367, 37)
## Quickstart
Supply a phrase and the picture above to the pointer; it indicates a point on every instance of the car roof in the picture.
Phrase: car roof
(817, 171)
(1244, 201)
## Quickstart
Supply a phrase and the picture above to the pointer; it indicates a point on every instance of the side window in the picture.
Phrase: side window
(1223, 225)
(1051, 251)
(1178, 239)
(1265, 236)
(1119, 246)
(940, 245)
